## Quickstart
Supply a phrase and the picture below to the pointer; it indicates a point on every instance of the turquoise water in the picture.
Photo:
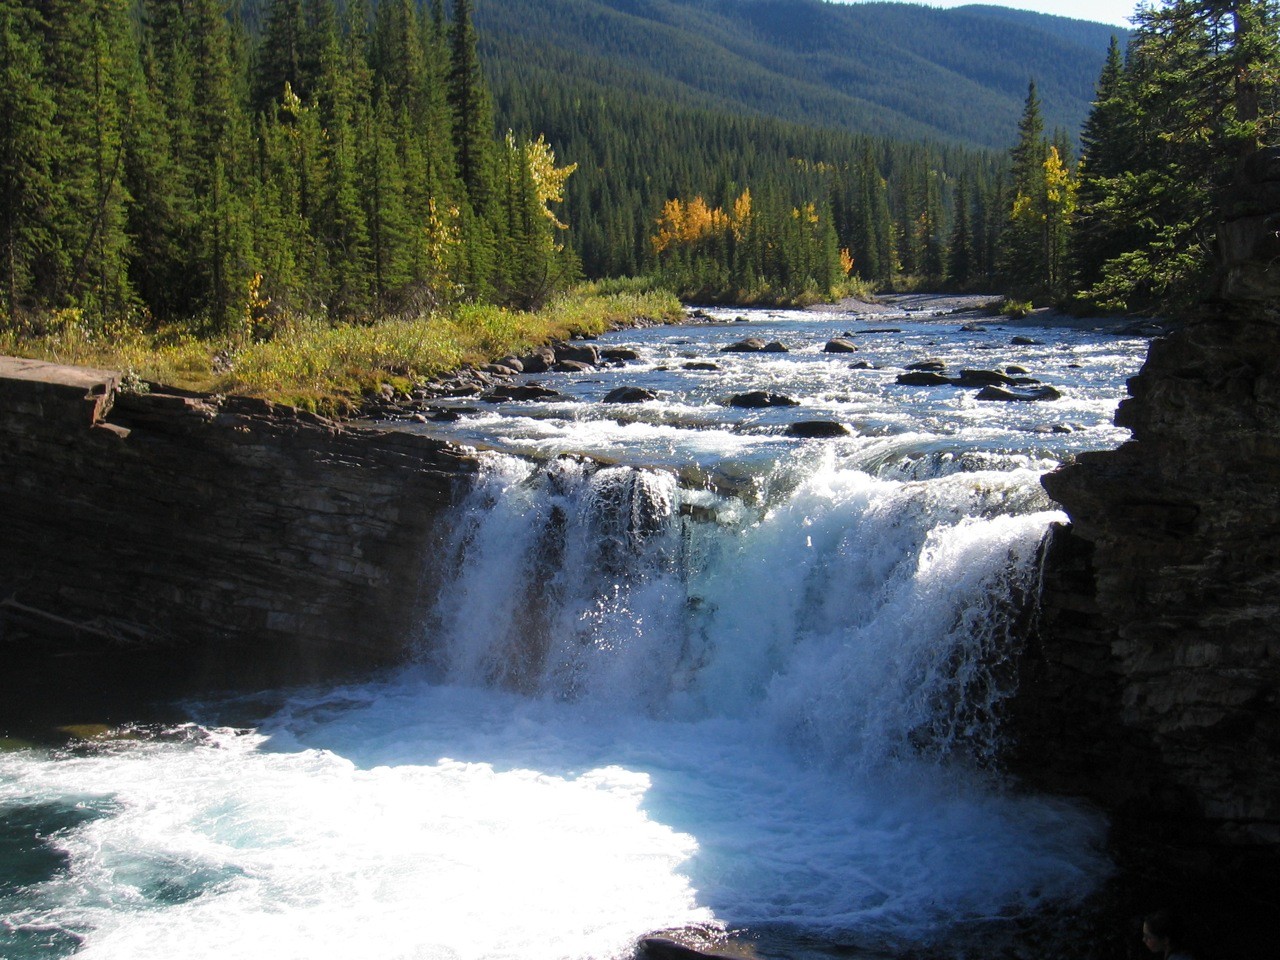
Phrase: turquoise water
(727, 680)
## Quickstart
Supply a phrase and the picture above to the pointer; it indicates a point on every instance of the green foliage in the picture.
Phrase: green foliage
(185, 161)
(1198, 90)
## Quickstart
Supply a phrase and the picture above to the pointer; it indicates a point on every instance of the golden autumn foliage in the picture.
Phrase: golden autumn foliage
(686, 223)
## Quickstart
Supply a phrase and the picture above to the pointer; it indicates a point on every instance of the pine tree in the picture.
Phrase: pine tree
(280, 55)
(1023, 256)
(960, 266)
(26, 138)
(1198, 91)
(87, 45)
(471, 111)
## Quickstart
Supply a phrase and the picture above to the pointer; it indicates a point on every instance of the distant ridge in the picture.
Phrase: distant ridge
(896, 70)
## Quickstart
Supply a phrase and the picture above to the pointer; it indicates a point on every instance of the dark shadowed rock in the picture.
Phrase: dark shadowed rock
(1024, 394)
(973, 328)
(749, 345)
(620, 354)
(538, 361)
(762, 398)
(817, 429)
(1021, 341)
(861, 365)
(585, 353)
(700, 365)
(937, 366)
(573, 366)
(925, 378)
(775, 347)
(630, 395)
(984, 378)
(840, 345)
(1016, 371)
(664, 948)
(519, 392)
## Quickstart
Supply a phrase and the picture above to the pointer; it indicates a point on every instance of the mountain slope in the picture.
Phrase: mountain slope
(889, 69)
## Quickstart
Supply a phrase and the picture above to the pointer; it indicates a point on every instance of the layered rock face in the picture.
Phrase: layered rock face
(242, 532)
(1156, 684)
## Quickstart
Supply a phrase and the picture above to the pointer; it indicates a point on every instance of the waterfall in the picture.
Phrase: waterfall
(867, 618)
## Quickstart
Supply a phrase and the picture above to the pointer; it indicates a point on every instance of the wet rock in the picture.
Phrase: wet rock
(700, 365)
(840, 345)
(519, 392)
(984, 378)
(630, 395)
(1021, 341)
(573, 366)
(538, 361)
(817, 429)
(882, 330)
(861, 365)
(749, 345)
(620, 354)
(664, 948)
(1015, 371)
(584, 353)
(973, 328)
(762, 398)
(926, 378)
(775, 347)
(934, 365)
(1026, 394)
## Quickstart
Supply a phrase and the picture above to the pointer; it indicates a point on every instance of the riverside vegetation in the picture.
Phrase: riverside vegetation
(304, 199)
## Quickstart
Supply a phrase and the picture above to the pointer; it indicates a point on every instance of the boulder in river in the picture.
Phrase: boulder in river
(840, 345)
(762, 398)
(630, 395)
(700, 365)
(1019, 393)
(587, 353)
(620, 354)
(984, 378)
(538, 361)
(1026, 342)
(926, 378)
(519, 392)
(936, 366)
(817, 429)
(749, 345)
(573, 366)
(775, 347)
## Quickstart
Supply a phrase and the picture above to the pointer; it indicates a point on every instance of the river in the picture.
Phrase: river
(683, 670)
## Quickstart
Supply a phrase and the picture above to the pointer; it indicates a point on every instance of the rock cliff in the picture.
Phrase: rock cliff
(237, 530)
(1154, 686)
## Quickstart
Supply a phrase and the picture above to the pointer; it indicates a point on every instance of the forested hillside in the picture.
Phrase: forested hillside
(896, 70)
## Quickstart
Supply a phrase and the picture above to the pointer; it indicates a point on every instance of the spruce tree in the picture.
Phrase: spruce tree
(472, 114)
(26, 138)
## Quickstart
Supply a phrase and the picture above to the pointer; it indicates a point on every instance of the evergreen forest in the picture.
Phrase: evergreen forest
(168, 161)
(215, 164)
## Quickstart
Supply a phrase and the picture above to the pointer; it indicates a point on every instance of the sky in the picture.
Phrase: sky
(1103, 11)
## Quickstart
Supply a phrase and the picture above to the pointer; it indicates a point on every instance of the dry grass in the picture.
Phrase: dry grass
(324, 367)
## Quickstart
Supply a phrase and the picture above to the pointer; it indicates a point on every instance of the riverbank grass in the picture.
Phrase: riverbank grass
(324, 367)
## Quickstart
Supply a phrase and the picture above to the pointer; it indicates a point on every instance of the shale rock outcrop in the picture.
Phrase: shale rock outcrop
(1155, 686)
(238, 531)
